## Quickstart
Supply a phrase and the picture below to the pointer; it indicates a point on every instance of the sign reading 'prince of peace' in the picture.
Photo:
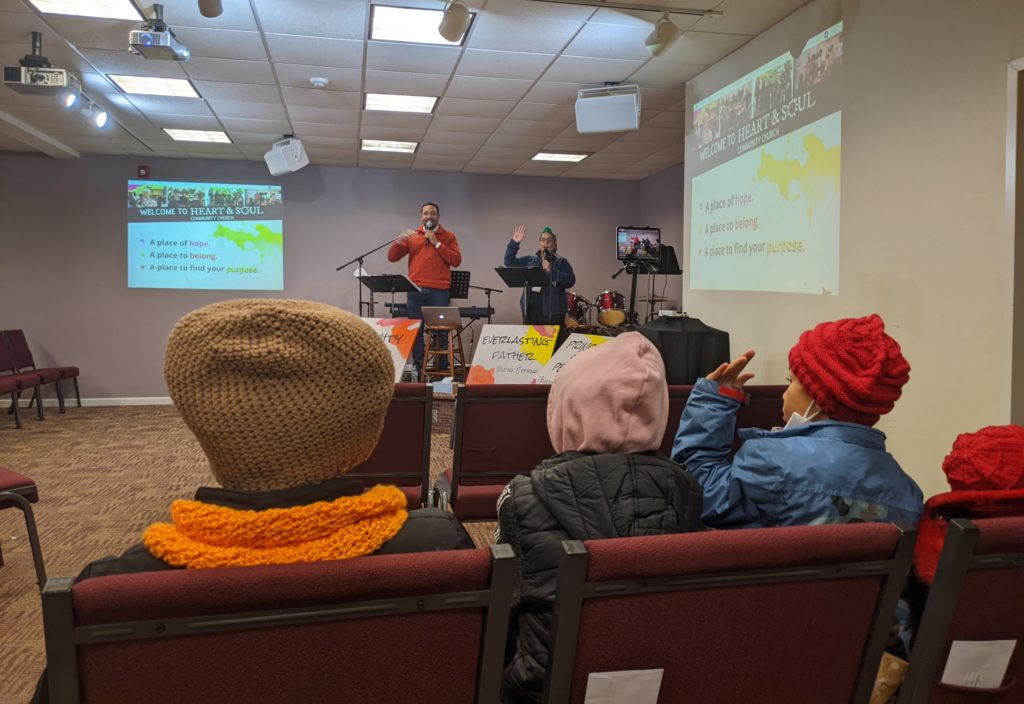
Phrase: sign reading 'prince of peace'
(399, 334)
(573, 345)
(511, 354)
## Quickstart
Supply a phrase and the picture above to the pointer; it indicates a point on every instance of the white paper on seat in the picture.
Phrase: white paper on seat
(626, 687)
(978, 663)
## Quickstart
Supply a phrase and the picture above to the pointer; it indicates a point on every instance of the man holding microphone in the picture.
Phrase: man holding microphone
(433, 251)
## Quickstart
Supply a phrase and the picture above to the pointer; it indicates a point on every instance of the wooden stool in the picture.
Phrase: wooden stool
(433, 354)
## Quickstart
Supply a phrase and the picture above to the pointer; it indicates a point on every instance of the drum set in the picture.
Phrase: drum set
(610, 306)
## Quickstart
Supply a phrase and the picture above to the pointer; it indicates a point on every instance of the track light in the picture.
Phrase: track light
(455, 21)
(93, 114)
(70, 98)
(100, 118)
(664, 35)
(210, 8)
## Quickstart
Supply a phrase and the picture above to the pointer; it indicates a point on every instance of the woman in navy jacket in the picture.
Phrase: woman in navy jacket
(546, 305)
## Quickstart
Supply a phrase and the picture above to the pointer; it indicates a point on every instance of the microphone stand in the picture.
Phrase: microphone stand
(360, 268)
(488, 291)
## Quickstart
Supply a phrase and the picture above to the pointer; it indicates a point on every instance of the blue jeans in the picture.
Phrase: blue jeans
(414, 302)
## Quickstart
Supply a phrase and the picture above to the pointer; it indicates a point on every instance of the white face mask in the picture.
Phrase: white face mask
(796, 420)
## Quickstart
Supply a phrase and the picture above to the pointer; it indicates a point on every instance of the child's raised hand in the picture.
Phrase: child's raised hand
(731, 374)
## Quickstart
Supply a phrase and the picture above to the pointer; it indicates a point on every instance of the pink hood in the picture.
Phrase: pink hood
(612, 398)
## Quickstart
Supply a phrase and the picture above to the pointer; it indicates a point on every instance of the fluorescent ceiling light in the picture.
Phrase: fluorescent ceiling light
(380, 145)
(198, 136)
(150, 85)
(109, 9)
(400, 103)
(403, 24)
(559, 156)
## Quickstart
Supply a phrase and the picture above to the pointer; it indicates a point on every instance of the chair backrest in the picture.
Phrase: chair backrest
(763, 411)
(501, 430)
(402, 455)
(360, 630)
(8, 362)
(976, 596)
(795, 614)
(19, 347)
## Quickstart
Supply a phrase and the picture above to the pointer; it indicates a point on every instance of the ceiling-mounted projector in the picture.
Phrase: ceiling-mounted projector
(155, 40)
(286, 156)
(35, 75)
(611, 108)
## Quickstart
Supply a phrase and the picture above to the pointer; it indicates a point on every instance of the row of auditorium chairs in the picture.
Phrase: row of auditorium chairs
(795, 614)
(500, 431)
(18, 373)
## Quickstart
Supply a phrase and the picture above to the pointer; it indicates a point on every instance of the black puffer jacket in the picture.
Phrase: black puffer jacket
(575, 496)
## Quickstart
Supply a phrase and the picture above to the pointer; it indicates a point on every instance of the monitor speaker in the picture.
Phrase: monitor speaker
(609, 109)
(286, 156)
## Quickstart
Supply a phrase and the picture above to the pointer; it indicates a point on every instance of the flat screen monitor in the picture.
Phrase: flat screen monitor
(638, 244)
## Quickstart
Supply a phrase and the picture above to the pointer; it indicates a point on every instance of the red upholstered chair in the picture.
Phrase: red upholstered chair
(796, 614)
(47, 375)
(424, 627)
(763, 411)
(501, 430)
(977, 594)
(14, 383)
(402, 456)
(20, 492)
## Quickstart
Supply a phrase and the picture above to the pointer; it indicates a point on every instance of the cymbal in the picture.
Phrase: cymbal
(654, 299)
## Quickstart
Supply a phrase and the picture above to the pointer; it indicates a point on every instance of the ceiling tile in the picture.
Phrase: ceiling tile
(323, 115)
(317, 98)
(91, 32)
(479, 88)
(262, 139)
(169, 104)
(422, 160)
(298, 75)
(237, 14)
(185, 122)
(128, 64)
(595, 72)
(239, 124)
(393, 56)
(248, 92)
(667, 118)
(449, 151)
(450, 123)
(336, 143)
(402, 83)
(394, 134)
(17, 27)
(533, 142)
(437, 136)
(640, 18)
(427, 166)
(316, 129)
(350, 161)
(543, 111)
(464, 107)
(497, 33)
(340, 53)
(553, 93)
(530, 128)
(503, 64)
(539, 10)
(405, 120)
(660, 98)
(314, 18)
(665, 135)
(229, 70)
(663, 74)
(703, 47)
(223, 44)
(748, 16)
(610, 41)
(252, 111)
(519, 153)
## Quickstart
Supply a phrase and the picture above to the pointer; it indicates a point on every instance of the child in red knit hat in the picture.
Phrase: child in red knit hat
(827, 465)
(986, 474)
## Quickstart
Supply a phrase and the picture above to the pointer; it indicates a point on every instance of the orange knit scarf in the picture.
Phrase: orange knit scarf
(203, 535)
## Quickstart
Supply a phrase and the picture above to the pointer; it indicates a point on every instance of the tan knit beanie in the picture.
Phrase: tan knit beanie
(279, 393)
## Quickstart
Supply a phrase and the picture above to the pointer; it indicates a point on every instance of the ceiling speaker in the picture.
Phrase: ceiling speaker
(608, 109)
(286, 156)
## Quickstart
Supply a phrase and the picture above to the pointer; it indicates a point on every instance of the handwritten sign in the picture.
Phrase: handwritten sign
(573, 345)
(399, 334)
(511, 354)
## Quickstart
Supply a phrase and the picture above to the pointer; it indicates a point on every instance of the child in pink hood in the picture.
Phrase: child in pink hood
(607, 413)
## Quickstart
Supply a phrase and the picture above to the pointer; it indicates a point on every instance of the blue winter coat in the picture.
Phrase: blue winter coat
(553, 298)
(822, 472)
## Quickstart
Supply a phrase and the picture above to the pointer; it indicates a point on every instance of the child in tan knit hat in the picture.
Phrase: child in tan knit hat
(285, 397)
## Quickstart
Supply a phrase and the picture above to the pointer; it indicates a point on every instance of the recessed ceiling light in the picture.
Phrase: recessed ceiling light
(380, 145)
(198, 136)
(109, 9)
(149, 85)
(400, 103)
(403, 24)
(560, 156)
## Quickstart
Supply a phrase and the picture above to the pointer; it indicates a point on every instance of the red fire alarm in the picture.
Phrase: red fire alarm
(143, 171)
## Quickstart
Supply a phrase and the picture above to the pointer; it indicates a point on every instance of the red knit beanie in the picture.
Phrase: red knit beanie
(851, 368)
(990, 459)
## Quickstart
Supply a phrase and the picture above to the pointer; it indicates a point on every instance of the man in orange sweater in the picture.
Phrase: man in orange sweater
(433, 251)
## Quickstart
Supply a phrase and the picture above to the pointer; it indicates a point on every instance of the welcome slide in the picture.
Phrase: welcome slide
(195, 235)
(765, 160)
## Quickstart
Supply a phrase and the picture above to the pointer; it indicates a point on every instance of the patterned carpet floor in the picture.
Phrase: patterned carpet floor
(104, 474)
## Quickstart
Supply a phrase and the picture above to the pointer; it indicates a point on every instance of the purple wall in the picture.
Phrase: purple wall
(63, 237)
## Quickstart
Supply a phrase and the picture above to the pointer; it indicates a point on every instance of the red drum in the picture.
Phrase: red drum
(576, 313)
(611, 307)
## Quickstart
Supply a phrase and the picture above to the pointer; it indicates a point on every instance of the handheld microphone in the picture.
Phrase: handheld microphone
(429, 225)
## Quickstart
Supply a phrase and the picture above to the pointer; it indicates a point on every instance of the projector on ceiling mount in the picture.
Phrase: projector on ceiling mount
(155, 40)
(35, 75)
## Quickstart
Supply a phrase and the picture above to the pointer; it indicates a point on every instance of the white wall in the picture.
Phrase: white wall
(925, 240)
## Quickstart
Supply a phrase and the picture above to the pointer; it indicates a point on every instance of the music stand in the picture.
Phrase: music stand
(524, 277)
(387, 283)
(460, 285)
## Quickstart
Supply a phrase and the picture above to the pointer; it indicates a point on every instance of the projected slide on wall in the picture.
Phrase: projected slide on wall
(765, 162)
(205, 236)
